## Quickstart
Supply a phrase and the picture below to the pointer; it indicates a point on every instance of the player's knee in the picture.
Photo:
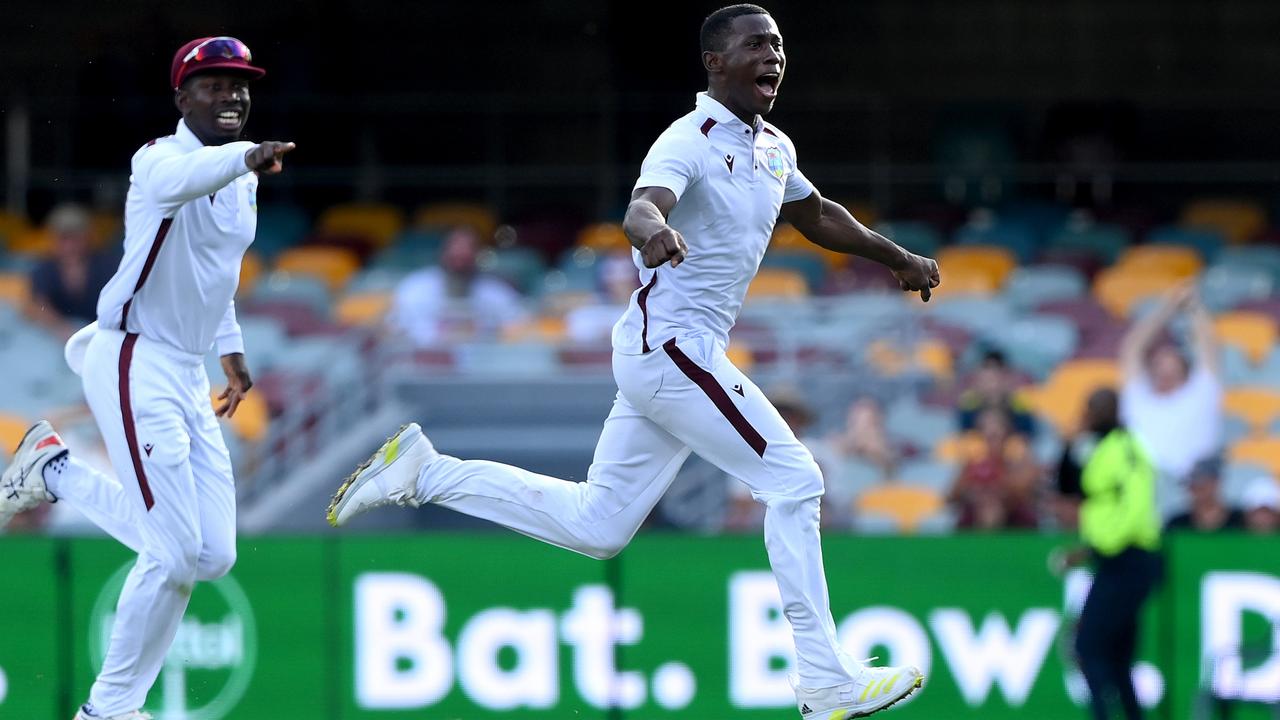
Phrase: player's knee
(178, 567)
(800, 485)
(216, 562)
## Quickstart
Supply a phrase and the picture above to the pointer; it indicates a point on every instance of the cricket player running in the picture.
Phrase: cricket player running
(190, 215)
(700, 219)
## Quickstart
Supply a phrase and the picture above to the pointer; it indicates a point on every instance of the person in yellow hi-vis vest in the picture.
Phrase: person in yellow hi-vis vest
(1120, 527)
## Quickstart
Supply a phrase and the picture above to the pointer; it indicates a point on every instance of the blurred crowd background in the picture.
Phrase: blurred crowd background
(1097, 180)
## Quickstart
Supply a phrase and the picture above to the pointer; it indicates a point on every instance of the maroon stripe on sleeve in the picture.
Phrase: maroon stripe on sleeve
(641, 300)
(706, 126)
(718, 396)
(146, 269)
(126, 411)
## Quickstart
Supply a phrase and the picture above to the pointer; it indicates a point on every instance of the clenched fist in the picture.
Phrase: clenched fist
(918, 274)
(664, 245)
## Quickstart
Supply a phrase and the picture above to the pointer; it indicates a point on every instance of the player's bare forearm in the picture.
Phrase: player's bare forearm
(829, 225)
(645, 225)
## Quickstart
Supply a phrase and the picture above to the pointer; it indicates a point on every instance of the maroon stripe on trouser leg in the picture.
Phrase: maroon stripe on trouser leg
(641, 300)
(718, 396)
(126, 410)
(146, 269)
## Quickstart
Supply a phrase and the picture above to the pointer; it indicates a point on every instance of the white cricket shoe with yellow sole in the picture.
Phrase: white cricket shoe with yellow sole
(389, 477)
(875, 689)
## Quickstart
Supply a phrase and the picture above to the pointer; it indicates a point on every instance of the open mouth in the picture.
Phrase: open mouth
(767, 83)
(230, 119)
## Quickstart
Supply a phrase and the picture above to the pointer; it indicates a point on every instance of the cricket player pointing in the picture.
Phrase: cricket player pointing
(190, 215)
(700, 219)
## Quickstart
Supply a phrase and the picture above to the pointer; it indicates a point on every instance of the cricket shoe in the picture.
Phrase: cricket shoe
(87, 713)
(22, 483)
(389, 477)
(875, 689)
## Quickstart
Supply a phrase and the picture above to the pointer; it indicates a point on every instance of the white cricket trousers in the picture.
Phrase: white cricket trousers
(174, 505)
(685, 396)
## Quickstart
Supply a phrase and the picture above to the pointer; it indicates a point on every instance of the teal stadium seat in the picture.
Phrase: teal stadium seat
(923, 427)
(809, 265)
(935, 475)
(411, 250)
(975, 314)
(1258, 256)
(279, 227)
(1030, 286)
(375, 280)
(522, 267)
(300, 289)
(1205, 241)
(1036, 344)
(1099, 240)
(986, 228)
(1224, 286)
(918, 237)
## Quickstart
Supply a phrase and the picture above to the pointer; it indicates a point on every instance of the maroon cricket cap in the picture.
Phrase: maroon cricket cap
(212, 53)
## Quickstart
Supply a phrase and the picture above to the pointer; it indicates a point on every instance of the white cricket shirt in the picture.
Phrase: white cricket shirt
(730, 180)
(191, 213)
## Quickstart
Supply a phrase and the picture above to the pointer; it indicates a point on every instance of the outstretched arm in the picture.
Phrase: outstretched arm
(172, 177)
(829, 225)
(646, 227)
(1204, 337)
(1137, 342)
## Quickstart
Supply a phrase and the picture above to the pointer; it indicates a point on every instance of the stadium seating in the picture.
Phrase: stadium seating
(1120, 289)
(12, 225)
(1032, 285)
(995, 262)
(1226, 286)
(251, 269)
(1060, 399)
(15, 288)
(1176, 260)
(1262, 451)
(604, 238)
(377, 222)
(331, 265)
(1081, 234)
(444, 215)
(1252, 332)
(251, 420)
(305, 290)
(918, 237)
(12, 428)
(787, 238)
(1238, 220)
(907, 505)
(1207, 242)
(364, 308)
(987, 229)
(1258, 406)
(775, 283)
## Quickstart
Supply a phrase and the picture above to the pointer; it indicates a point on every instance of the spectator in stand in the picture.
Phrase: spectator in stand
(997, 488)
(593, 323)
(454, 301)
(994, 385)
(1262, 506)
(64, 288)
(1208, 512)
(1171, 403)
(864, 437)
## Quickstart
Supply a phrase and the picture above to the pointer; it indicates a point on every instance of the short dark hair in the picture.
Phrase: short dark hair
(715, 29)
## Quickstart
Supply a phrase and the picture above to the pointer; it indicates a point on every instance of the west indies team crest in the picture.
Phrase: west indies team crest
(774, 156)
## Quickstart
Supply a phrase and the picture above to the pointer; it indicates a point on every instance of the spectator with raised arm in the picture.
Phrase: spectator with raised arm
(1173, 403)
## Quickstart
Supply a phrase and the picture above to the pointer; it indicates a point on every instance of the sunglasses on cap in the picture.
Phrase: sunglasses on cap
(219, 47)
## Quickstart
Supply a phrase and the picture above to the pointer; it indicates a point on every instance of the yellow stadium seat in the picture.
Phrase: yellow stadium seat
(741, 356)
(604, 238)
(1238, 220)
(12, 428)
(1253, 332)
(960, 448)
(37, 242)
(935, 357)
(250, 272)
(1060, 400)
(778, 283)
(1257, 406)
(377, 221)
(363, 308)
(863, 211)
(12, 225)
(547, 328)
(15, 289)
(453, 214)
(252, 420)
(1264, 451)
(786, 237)
(1120, 289)
(906, 504)
(333, 265)
(1174, 260)
(106, 226)
(962, 280)
(958, 260)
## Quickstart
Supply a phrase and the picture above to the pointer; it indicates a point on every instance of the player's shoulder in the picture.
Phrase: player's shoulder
(686, 129)
(156, 146)
(782, 138)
